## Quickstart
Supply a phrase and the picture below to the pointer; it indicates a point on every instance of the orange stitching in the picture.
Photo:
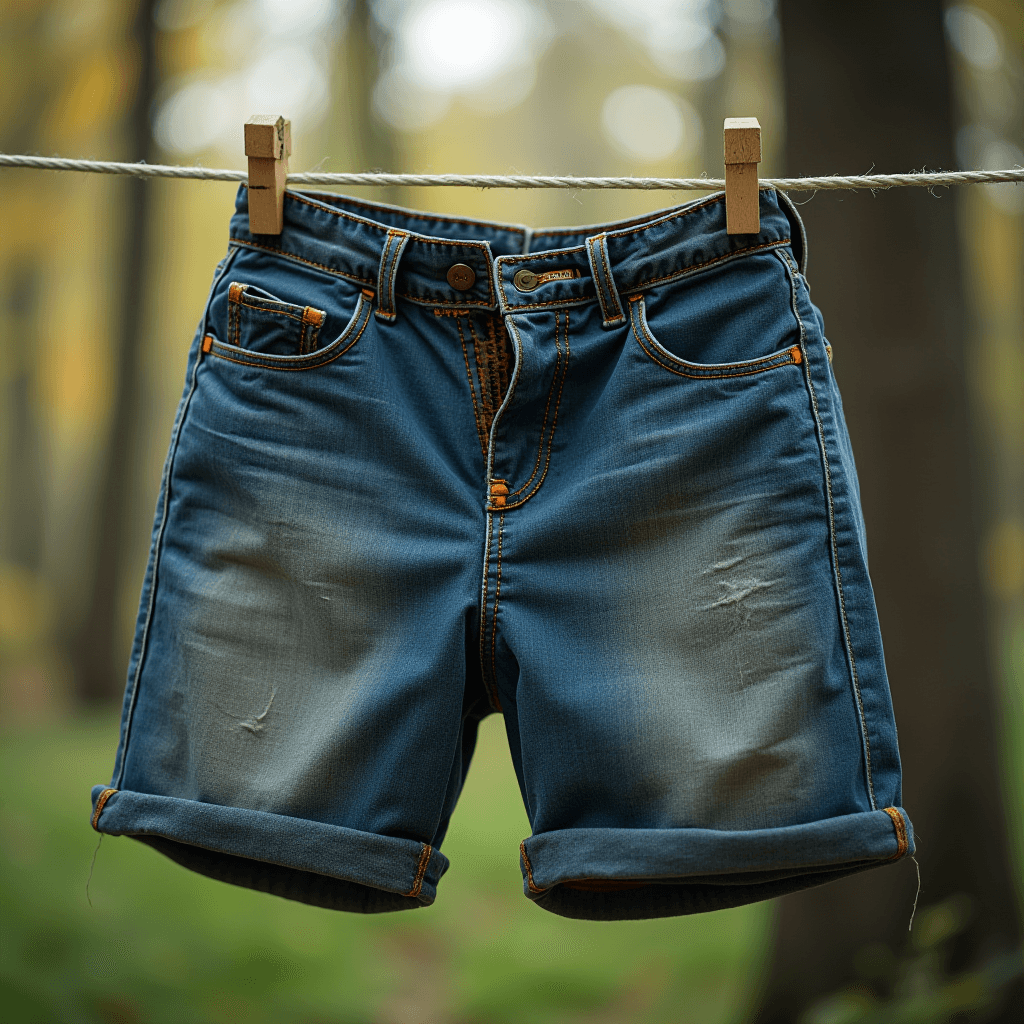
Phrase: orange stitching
(554, 421)
(420, 299)
(710, 200)
(830, 505)
(494, 614)
(472, 392)
(639, 222)
(902, 842)
(312, 365)
(489, 381)
(759, 365)
(271, 309)
(421, 869)
(529, 869)
(544, 421)
(655, 280)
(482, 359)
(387, 299)
(469, 306)
(494, 325)
(323, 207)
(300, 259)
(207, 343)
(494, 367)
(498, 326)
(401, 239)
(598, 280)
(100, 804)
(717, 259)
(610, 283)
(234, 329)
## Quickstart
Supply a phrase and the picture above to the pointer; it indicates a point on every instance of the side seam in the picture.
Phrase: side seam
(833, 546)
(165, 498)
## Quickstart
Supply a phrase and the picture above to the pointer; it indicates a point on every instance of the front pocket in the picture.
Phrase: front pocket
(328, 353)
(788, 356)
(260, 322)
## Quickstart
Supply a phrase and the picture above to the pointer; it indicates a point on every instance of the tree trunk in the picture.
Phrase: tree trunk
(97, 658)
(371, 143)
(869, 85)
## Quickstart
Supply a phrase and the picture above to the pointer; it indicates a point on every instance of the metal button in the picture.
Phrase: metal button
(525, 280)
(461, 277)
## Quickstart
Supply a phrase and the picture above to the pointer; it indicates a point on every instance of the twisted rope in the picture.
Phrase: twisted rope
(928, 179)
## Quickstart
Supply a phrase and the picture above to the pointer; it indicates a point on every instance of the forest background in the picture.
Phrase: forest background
(103, 279)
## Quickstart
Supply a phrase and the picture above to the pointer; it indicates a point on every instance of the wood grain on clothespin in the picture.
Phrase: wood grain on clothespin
(268, 144)
(742, 155)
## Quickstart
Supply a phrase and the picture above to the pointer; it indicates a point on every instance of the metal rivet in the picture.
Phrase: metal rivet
(461, 277)
(525, 280)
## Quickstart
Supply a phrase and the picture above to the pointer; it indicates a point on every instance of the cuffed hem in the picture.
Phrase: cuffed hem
(309, 861)
(628, 874)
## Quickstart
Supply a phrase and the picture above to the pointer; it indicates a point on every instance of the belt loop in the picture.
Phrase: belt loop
(607, 294)
(798, 232)
(389, 258)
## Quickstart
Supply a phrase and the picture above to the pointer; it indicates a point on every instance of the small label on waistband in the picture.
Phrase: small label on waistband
(557, 275)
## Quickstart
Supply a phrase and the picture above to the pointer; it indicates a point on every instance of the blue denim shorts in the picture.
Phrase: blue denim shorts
(596, 480)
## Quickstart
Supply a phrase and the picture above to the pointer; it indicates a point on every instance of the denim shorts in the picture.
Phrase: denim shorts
(596, 480)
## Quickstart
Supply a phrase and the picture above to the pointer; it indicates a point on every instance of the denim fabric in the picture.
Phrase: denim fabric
(596, 480)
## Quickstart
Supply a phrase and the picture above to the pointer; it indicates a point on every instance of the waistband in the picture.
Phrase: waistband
(423, 257)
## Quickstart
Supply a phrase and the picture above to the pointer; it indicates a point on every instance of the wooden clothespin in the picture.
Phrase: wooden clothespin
(268, 144)
(742, 155)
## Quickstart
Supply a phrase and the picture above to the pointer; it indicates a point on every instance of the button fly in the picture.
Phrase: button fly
(461, 277)
(525, 280)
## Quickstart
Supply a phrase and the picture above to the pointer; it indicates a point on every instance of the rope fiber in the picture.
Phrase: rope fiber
(924, 179)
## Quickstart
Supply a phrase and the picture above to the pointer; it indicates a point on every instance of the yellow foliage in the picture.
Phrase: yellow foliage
(1004, 559)
(98, 91)
(24, 608)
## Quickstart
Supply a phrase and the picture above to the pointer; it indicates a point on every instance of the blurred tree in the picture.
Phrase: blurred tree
(21, 509)
(371, 144)
(870, 85)
(95, 650)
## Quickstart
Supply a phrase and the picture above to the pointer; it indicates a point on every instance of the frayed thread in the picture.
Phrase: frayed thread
(917, 894)
(92, 867)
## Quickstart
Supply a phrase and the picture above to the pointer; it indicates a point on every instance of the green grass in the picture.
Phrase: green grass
(160, 943)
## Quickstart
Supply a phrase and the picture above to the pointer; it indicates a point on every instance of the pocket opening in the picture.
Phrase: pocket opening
(261, 322)
(789, 355)
(349, 336)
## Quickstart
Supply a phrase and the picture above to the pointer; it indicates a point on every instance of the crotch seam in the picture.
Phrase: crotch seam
(490, 684)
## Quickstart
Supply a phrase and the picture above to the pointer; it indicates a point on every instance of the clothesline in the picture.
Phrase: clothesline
(924, 179)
